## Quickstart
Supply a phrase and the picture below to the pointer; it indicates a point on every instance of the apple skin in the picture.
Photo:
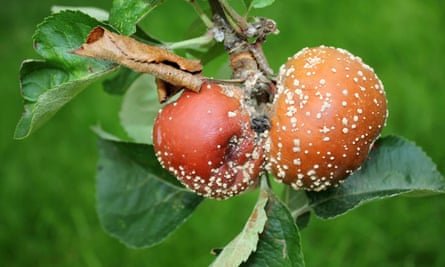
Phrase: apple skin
(329, 109)
(206, 140)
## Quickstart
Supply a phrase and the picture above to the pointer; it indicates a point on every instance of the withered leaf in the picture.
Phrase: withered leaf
(165, 90)
(176, 71)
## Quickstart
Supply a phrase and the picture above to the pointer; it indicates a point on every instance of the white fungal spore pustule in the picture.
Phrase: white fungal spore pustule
(335, 106)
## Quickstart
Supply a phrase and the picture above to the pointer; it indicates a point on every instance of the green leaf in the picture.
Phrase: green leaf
(136, 204)
(119, 84)
(395, 166)
(269, 238)
(240, 248)
(247, 3)
(97, 13)
(258, 3)
(139, 109)
(103, 134)
(47, 85)
(145, 38)
(297, 202)
(63, 32)
(125, 14)
(212, 53)
(280, 242)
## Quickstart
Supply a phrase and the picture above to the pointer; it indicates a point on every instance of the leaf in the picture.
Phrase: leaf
(297, 202)
(212, 53)
(247, 3)
(97, 13)
(125, 14)
(165, 65)
(145, 38)
(395, 166)
(303, 220)
(139, 203)
(239, 249)
(258, 3)
(295, 199)
(280, 242)
(104, 44)
(139, 109)
(48, 84)
(120, 83)
(100, 132)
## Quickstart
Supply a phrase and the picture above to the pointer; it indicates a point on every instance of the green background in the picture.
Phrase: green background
(47, 195)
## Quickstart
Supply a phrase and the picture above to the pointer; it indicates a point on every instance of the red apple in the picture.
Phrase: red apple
(205, 139)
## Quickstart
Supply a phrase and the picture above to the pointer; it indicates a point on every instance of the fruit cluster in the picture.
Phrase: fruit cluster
(328, 109)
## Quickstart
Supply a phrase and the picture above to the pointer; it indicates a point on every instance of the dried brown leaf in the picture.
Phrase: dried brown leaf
(175, 70)
(165, 90)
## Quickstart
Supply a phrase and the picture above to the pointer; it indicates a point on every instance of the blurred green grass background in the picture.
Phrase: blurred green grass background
(47, 201)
